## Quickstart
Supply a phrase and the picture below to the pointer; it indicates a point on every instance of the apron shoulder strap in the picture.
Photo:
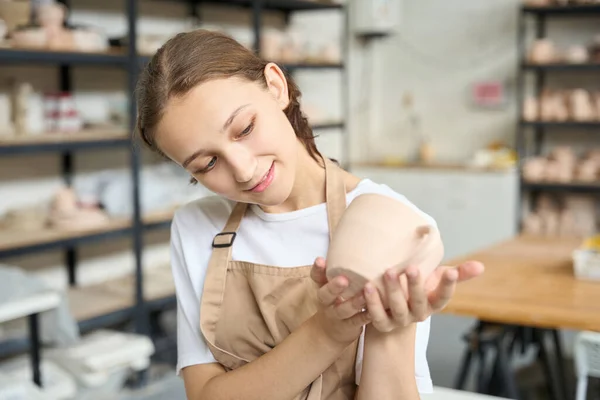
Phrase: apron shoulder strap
(216, 273)
(335, 192)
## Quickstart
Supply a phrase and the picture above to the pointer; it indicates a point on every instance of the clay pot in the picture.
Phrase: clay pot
(554, 107)
(577, 55)
(376, 233)
(51, 15)
(587, 171)
(82, 219)
(29, 38)
(550, 221)
(582, 107)
(543, 51)
(530, 109)
(532, 224)
(534, 169)
(29, 218)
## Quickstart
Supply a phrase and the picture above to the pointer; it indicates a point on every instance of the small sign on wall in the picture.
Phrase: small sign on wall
(488, 94)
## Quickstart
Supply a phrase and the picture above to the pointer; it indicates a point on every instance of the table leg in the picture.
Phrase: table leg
(34, 338)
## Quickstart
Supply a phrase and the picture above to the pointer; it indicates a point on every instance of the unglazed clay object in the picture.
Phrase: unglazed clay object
(66, 214)
(534, 169)
(530, 109)
(375, 233)
(543, 51)
(532, 224)
(581, 106)
(24, 219)
(587, 171)
(577, 55)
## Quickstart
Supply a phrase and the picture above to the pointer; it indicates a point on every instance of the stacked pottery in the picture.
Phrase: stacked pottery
(375, 233)
(67, 214)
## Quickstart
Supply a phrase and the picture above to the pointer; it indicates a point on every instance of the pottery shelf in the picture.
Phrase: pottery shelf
(109, 303)
(567, 124)
(279, 5)
(144, 59)
(14, 243)
(562, 67)
(131, 300)
(533, 34)
(580, 10)
(59, 142)
(116, 57)
(583, 188)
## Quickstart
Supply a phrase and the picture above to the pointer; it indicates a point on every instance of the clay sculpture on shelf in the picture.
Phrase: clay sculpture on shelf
(562, 165)
(376, 233)
(581, 106)
(543, 51)
(530, 109)
(29, 218)
(67, 214)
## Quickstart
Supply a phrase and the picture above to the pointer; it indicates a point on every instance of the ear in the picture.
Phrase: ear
(277, 84)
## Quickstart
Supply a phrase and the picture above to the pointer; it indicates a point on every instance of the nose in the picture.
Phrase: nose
(243, 164)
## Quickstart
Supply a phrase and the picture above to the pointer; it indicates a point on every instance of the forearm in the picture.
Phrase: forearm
(388, 370)
(281, 373)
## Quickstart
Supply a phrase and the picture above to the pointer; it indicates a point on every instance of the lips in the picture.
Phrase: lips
(265, 182)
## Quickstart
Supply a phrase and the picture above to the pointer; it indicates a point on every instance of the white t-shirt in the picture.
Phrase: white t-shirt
(283, 239)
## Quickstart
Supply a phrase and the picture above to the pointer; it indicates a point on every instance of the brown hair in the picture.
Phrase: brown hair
(191, 58)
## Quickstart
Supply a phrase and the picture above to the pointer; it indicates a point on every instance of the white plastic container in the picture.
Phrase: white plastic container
(586, 264)
(102, 360)
(11, 389)
(57, 384)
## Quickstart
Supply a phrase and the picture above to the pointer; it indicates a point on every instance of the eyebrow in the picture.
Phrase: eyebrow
(226, 125)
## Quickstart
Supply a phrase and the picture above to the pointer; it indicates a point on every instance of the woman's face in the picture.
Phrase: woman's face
(232, 136)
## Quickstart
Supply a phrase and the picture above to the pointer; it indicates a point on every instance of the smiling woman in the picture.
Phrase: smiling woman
(256, 317)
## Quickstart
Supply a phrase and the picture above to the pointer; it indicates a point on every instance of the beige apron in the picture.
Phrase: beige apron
(247, 309)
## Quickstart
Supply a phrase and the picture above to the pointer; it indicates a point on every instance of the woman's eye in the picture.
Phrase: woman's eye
(208, 167)
(248, 129)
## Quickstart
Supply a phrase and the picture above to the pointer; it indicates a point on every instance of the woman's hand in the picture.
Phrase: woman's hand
(341, 321)
(421, 300)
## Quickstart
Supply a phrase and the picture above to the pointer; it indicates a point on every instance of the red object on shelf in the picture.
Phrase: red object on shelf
(61, 114)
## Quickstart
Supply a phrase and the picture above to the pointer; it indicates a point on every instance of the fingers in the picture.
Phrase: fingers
(439, 298)
(418, 301)
(362, 318)
(397, 304)
(469, 270)
(318, 272)
(350, 307)
(329, 292)
(378, 315)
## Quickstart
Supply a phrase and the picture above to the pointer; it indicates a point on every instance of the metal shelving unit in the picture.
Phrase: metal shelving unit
(137, 305)
(536, 130)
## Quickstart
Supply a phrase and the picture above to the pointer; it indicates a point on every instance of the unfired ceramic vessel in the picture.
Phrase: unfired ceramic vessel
(375, 233)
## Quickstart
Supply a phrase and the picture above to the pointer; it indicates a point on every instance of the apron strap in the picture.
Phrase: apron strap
(216, 276)
(335, 192)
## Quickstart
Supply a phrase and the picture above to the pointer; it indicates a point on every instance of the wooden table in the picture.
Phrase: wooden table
(529, 281)
(529, 288)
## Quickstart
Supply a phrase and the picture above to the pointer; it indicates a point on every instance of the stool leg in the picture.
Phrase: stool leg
(482, 382)
(543, 355)
(562, 377)
(582, 388)
(507, 373)
(464, 369)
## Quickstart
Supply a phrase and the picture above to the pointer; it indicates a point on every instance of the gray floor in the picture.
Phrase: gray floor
(169, 387)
